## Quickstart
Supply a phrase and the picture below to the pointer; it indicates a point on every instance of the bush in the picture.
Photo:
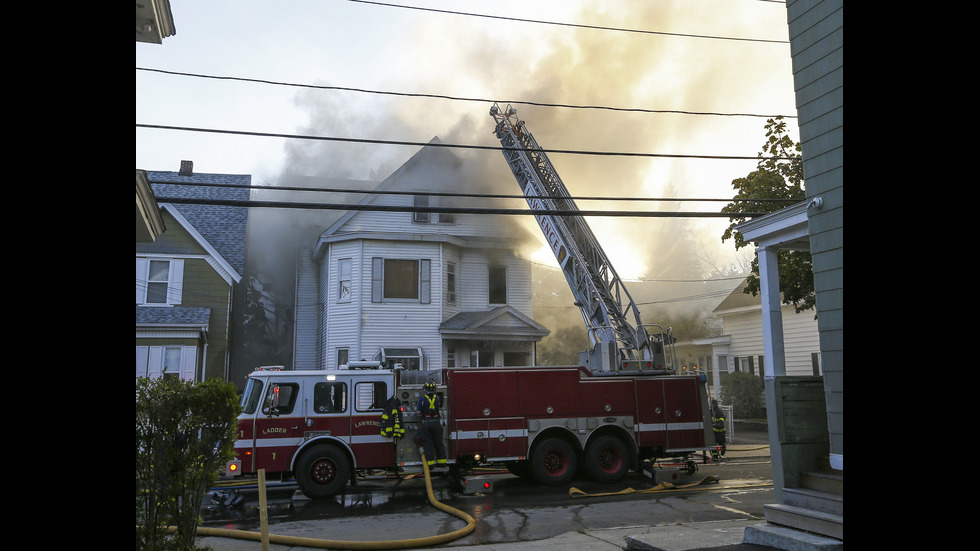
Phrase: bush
(185, 432)
(744, 392)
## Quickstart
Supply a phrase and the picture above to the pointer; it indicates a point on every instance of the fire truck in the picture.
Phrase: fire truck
(323, 427)
(623, 406)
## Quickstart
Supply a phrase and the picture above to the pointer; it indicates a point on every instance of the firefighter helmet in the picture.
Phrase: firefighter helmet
(430, 386)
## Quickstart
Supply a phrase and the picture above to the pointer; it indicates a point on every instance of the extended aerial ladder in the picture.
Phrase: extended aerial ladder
(619, 339)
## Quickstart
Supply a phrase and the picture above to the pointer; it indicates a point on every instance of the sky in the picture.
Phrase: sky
(729, 57)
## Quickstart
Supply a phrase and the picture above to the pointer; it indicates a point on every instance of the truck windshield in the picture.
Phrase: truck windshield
(251, 396)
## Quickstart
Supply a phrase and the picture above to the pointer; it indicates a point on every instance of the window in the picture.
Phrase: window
(481, 358)
(343, 356)
(451, 283)
(498, 285)
(451, 356)
(251, 396)
(344, 279)
(421, 201)
(370, 396)
(286, 401)
(330, 398)
(409, 358)
(158, 281)
(512, 359)
(171, 362)
(447, 218)
(399, 280)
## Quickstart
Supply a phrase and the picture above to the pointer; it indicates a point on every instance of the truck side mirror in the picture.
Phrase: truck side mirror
(271, 406)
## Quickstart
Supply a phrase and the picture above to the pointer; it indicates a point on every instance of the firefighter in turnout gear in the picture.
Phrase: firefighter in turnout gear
(431, 426)
(718, 424)
(391, 419)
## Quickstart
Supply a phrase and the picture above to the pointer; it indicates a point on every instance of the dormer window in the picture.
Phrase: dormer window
(421, 201)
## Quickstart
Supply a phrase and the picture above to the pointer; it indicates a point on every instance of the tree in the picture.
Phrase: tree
(778, 177)
(185, 432)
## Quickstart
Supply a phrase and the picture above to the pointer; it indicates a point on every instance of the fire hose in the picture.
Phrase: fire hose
(340, 544)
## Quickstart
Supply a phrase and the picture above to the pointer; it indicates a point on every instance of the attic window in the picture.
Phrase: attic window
(421, 201)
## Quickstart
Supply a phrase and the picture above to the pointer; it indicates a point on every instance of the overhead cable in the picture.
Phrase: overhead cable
(459, 98)
(253, 187)
(448, 145)
(451, 210)
(576, 25)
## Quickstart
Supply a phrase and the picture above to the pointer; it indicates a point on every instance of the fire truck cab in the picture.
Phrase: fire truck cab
(324, 427)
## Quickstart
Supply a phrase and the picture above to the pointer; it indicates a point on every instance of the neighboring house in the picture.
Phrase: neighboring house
(740, 347)
(422, 289)
(187, 278)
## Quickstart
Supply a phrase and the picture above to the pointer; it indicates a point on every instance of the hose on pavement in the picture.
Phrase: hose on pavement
(340, 544)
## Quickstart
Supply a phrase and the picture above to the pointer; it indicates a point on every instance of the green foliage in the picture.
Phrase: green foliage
(744, 392)
(778, 176)
(185, 432)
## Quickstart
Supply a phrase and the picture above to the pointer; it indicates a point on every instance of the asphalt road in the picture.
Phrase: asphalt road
(517, 510)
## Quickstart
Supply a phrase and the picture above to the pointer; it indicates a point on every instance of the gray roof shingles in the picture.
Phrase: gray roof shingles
(223, 226)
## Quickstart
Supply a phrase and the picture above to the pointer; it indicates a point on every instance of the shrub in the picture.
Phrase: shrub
(185, 432)
(744, 392)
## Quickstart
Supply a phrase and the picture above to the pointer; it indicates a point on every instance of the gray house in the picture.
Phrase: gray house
(426, 290)
(187, 278)
(806, 413)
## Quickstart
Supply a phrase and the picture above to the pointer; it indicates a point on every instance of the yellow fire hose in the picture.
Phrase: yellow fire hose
(338, 544)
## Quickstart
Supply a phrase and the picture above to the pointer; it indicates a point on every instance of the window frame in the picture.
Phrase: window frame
(496, 285)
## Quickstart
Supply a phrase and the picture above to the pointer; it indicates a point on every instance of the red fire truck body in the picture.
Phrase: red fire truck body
(324, 427)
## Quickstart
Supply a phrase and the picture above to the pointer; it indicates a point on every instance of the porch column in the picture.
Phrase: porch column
(772, 315)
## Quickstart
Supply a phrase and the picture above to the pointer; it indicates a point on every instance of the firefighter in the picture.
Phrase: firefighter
(431, 427)
(391, 419)
(718, 424)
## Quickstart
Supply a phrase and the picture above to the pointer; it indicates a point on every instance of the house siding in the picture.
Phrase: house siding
(800, 339)
(306, 312)
(396, 323)
(203, 286)
(816, 30)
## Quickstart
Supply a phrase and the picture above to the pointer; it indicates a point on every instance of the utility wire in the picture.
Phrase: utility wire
(451, 210)
(575, 25)
(446, 145)
(459, 98)
(459, 194)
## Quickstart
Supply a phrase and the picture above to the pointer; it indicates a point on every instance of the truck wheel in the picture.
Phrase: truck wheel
(322, 471)
(553, 462)
(605, 459)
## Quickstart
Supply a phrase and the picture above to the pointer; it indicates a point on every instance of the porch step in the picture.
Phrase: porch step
(806, 520)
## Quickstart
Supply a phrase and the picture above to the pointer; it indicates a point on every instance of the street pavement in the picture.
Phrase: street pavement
(724, 535)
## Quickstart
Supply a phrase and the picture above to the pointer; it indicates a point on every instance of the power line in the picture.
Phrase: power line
(575, 25)
(460, 98)
(460, 194)
(451, 210)
(446, 145)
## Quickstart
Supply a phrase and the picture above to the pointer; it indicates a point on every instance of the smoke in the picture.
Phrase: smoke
(469, 57)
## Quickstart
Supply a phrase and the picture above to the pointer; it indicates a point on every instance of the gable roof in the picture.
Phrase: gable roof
(505, 322)
(392, 179)
(223, 227)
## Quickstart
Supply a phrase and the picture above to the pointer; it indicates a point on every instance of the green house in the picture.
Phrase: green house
(188, 277)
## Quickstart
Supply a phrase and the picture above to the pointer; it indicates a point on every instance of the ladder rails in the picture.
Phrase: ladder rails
(603, 300)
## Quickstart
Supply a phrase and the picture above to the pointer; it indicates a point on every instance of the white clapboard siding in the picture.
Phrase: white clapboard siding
(306, 312)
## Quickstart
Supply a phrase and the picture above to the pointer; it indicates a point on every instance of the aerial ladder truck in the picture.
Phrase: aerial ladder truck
(620, 342)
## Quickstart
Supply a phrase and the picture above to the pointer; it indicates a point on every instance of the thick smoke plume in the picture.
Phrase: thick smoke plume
(575, 66)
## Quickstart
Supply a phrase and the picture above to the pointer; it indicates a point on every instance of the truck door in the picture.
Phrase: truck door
(278, 426)
(371, 449)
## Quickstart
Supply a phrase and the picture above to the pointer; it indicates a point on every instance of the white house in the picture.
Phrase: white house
(740, 347)
(422, 289)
